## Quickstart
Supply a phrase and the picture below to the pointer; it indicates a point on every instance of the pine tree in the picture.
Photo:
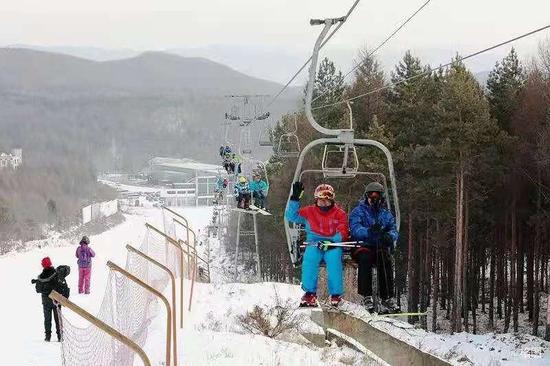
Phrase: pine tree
(368, 77)
(504, 85)
(329, 88)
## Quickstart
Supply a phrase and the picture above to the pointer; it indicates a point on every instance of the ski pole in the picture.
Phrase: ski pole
(344, 244)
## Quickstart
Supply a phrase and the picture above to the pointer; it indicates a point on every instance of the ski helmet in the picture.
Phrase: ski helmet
(324, 191)
(374, 192)
(85, 240)
(242, 179)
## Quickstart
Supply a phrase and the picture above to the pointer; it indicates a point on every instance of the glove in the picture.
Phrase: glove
(386, 240)
(324, 245)
(33, 281)
(297, 191)
(376, 229)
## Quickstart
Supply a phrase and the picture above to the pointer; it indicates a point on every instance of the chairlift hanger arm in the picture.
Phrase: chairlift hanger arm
(328, 23)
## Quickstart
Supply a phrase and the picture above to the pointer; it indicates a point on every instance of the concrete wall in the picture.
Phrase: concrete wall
(390, 349)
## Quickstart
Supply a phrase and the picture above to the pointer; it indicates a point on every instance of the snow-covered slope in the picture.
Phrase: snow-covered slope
(212, 334)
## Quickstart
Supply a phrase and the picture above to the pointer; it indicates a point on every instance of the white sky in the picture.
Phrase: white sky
(443, 27)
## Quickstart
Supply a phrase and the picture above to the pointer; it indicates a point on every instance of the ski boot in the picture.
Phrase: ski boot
(335, 300)
(48, 337)
(368, 303)
(309, 300)
(389, 306)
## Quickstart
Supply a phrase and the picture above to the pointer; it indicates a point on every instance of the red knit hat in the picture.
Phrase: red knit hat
(46, 262)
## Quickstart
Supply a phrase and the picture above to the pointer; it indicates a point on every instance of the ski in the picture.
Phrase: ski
(250, 211)
(262, 211)
(404, 314)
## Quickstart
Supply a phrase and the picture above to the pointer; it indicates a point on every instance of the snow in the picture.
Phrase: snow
(212, 334)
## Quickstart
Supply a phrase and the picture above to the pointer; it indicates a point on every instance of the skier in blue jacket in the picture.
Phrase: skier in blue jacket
(374, 225)
(259, 188)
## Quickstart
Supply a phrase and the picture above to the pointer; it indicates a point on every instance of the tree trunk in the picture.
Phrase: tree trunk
(412, 306)
(436, 285)
(492, 272)
(483, 279)
(456, 324)
(468, 268)
(514, 259)
(507, 281)
(536, 260)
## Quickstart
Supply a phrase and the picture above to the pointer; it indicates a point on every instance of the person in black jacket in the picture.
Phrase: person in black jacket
(46, 282)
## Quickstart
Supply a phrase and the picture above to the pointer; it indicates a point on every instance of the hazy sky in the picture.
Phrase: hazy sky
(443, 27)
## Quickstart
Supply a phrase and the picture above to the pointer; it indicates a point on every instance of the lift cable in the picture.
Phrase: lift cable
(430, 70)
(309, 59)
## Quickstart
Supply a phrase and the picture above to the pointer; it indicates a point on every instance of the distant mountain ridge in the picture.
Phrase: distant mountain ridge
(118, 114)
(31, 70)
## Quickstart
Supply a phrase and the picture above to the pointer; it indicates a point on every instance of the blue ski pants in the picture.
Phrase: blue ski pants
(310, 269)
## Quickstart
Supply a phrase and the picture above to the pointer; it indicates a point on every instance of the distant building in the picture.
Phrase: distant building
(187, 182)
(13, 160)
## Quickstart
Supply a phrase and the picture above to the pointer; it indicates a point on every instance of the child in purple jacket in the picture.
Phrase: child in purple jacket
(84, 254)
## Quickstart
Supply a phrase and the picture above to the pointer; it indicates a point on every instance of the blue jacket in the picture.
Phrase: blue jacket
(320, 225)
(364, 216)
(219, 184)
(241, 188)
(260, 186)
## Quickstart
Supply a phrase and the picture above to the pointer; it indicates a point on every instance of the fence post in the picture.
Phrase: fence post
(176, 243)
(101, 325)
(173, 282)
(157, 293)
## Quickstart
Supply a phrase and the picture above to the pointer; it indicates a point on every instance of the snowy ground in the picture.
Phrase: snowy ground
(212, 335)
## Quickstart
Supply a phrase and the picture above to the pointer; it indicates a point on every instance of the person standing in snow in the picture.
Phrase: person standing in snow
(84, 254)
(46, 282)
(374, 225)
(325, 223)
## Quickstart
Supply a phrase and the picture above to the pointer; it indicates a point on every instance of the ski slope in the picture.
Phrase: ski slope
(211, 333)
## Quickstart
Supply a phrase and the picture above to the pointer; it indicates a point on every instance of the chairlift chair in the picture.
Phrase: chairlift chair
(345, 143)
(266, 137)
(291, 139)
(245, 147)
(297, 232)
(348, 169)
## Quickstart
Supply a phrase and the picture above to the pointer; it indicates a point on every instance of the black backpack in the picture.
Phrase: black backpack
(62, 287)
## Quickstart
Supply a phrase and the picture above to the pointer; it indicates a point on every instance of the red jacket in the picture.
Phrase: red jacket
(320, 225)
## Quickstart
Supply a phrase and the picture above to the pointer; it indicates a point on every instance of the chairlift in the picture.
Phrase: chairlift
(342, 143)
(266, 137)
(245, 147)
(291, 140)
(340, 153)
(297, 232)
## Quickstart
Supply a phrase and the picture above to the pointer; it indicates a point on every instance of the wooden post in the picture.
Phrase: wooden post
(101, 325)
(173, 282)
(193, 282)
(155, 292)
(177, 244)
(194, 249)
(180, 217)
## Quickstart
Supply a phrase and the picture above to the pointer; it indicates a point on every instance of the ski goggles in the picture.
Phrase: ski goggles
(325, 195)
(373, 195)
